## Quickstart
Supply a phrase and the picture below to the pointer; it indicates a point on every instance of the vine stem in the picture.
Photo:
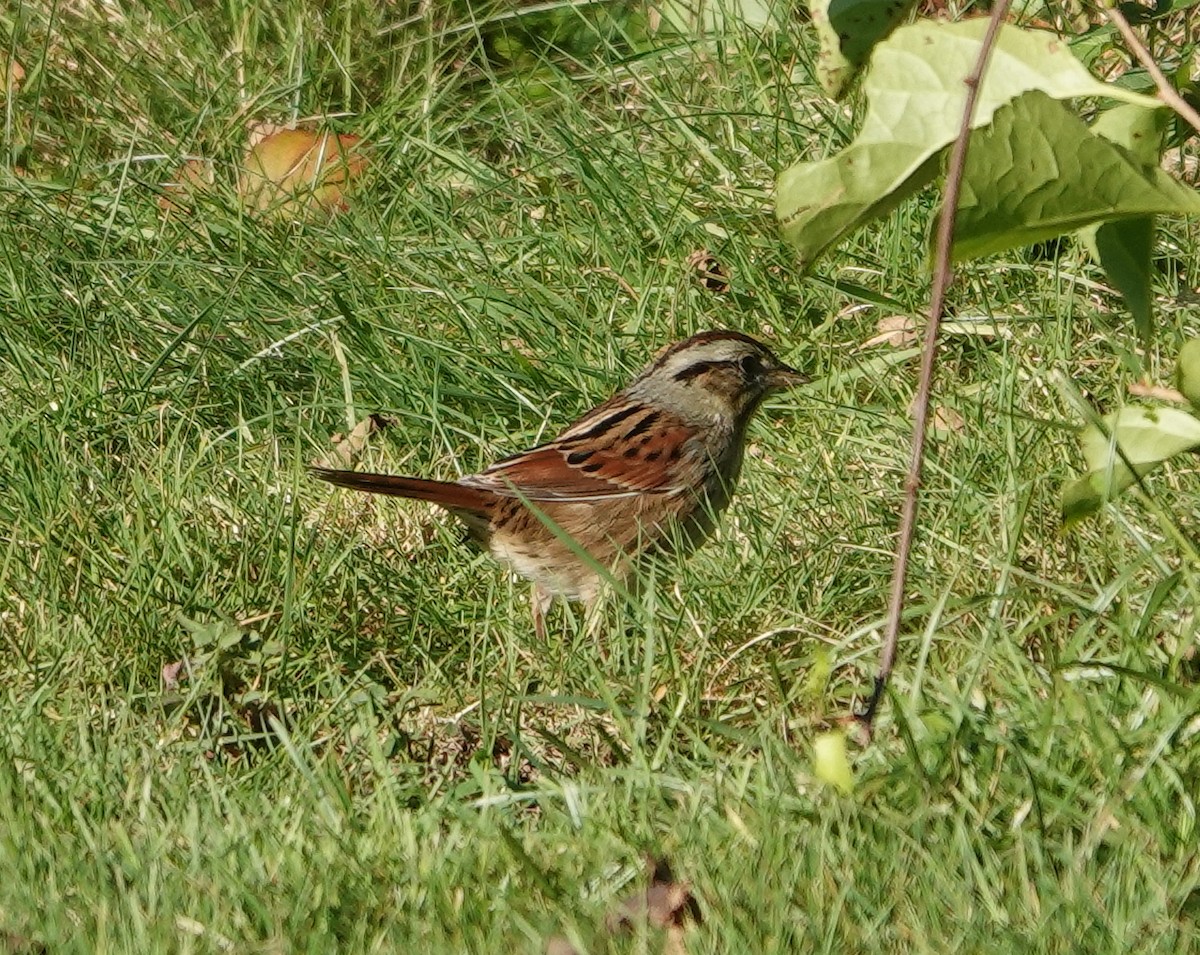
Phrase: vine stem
(942, 273)
(1166, 92)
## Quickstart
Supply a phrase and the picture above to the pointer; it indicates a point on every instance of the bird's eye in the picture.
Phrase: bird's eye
(751, 366)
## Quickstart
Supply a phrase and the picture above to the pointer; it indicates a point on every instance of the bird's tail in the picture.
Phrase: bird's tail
(447, 494)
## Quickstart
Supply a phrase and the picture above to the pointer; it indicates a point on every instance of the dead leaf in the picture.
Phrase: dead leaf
(714, 276)
(13, 943)
(946, 420)
(899, 331)
(199, 930)
(665, 903)
(194, 176)
(346, 449)
(259, 129)
(171, 673)
(12, 75)
(1142, 389)
(856, 728)
(293, 172)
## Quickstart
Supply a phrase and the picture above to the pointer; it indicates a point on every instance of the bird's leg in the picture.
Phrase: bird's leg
(539, 604)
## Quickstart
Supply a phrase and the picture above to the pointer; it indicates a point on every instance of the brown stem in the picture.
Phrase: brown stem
(1166, 92)
(941, 282)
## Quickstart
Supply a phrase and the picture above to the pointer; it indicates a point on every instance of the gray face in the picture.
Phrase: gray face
(715, 373)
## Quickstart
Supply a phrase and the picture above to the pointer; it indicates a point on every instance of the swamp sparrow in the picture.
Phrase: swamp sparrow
(650, 469)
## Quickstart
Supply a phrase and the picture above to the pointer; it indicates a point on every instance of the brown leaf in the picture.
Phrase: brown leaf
(946, 420)
(194, 176)
(899, 331)
(663, 904)
(259, 129)
(346, 449)
(12, 75)
(714, 276)
(171, 673)
(293, 172)
(12, 943)
(1142, 389)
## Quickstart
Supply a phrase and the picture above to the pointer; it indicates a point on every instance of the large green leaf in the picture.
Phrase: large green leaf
(848, 30)
(1138, 129)
(1146, 436)
(1037, 171)
(1123, 247)
(915, 97)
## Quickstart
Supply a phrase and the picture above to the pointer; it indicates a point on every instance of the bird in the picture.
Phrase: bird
(647, 471)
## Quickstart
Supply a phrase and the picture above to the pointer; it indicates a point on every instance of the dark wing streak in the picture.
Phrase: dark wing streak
(569, 470)
(600, 419)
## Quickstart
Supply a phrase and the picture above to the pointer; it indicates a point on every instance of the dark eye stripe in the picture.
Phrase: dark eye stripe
(701, 368)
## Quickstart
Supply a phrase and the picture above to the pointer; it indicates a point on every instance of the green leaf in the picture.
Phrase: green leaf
(1138, 129)
(1146, 436)
(830, 763)
(847, 31)
(697, 17)
(1123, 247)
(218, 634)
(1037, 171)
(1187, 371)
(915, 97)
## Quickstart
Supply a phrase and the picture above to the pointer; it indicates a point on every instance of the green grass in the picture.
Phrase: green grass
(383, 756)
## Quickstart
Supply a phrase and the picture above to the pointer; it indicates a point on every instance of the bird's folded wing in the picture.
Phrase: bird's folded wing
(640, 454)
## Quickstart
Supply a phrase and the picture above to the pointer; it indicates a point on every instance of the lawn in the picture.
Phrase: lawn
(367, 748)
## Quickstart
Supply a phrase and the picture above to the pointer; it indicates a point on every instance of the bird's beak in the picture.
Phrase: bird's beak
(784, 377)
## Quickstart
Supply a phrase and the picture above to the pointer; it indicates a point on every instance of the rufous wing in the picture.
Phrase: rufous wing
(617, 451)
